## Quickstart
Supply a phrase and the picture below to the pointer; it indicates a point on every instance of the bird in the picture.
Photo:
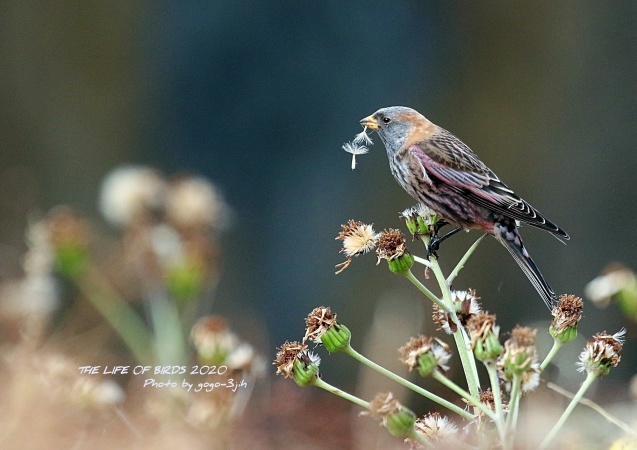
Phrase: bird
(439, 170)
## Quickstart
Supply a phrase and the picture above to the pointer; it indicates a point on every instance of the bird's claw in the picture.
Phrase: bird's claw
(433, 246)
(434, 241)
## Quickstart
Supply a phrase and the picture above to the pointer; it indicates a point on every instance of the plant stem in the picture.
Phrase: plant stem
(466, 357)
(497, 399)
(328, 387)
(439, 376)
(422, 261)
(408, 384)
(170, 345)
(556, 346)
(410, 276)
(569, 409)
(454, 273)
(514, 403)
(118, 313)
(595, 407)
(422, 440)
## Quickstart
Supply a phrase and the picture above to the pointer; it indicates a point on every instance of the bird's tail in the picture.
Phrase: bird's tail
(510, 238)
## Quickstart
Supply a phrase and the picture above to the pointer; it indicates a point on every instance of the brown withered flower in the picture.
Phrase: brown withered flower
(391, 244)
(318, 322)
(602, 352)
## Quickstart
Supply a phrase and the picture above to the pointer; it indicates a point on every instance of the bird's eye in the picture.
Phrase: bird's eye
(386, 119)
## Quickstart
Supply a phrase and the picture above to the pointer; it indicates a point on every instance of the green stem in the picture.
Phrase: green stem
(422, 440)
(454, 273)
(497, 399)
(569, 409)
(439, 376)
(556, 346)
(118, 313)
(471, 357)
(514, 403)
(410, 276)
(408, 384)
(329, 388)
(423, 261)
(169, 342)
(466, 357)
(595, 407)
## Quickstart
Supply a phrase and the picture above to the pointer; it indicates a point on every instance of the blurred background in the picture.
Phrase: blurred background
(258, 97)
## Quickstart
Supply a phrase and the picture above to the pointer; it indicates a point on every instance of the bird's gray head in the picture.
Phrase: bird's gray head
(393, 124)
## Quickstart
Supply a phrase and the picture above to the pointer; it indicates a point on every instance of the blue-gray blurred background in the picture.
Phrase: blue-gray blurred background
(260, 96)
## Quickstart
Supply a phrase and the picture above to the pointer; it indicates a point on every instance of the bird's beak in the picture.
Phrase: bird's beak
(370, 123)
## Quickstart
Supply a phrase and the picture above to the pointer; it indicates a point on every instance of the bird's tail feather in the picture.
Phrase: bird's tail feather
(510, 238)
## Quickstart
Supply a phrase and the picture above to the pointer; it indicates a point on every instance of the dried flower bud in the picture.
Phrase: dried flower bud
(294, 360)
(322, 328)
(391, 246)
(566, 315)
(398, 419)
(601, 353)
(520, 359)
(425, 353)
(436, 427)
(318, 322)
(484, 335)
(358, 238)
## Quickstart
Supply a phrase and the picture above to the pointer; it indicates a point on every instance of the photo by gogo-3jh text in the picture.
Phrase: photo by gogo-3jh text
(454, 187)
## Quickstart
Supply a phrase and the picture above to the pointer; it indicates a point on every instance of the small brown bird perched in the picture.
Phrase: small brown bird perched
(439, 170)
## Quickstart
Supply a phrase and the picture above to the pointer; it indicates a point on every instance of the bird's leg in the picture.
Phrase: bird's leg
(435, 240)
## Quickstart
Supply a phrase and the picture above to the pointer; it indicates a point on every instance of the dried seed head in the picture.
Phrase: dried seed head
(487, 398)
(382, 405)
(484, 334)
(601, 353)
(294, 360)
(318, 322)
(566, 315)
(358, 238)
(520, 359)
(425, 353)
(480, 325)
(391, 244)
(398, 419)
(436, 427)
(523, 337)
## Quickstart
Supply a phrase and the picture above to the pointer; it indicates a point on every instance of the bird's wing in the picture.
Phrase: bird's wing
(448, 159)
